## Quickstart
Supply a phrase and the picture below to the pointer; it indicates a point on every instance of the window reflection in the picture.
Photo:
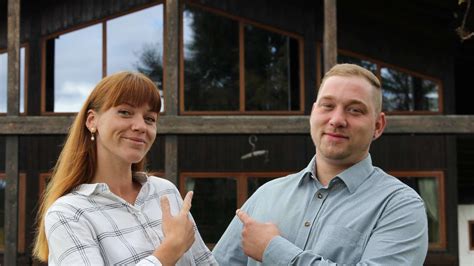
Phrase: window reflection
(428, 189)
(135, 43)
(74, 67)
(405, 92)
(74, 61)
(214, 205)
(211, 61)
(4, 81)
(271, 71)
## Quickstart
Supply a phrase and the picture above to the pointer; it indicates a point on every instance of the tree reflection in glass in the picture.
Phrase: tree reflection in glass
(211, 61)
(405, 92)
(271, 71)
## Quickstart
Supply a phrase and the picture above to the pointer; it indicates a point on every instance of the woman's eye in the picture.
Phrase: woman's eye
(150, 119)
(124, 112)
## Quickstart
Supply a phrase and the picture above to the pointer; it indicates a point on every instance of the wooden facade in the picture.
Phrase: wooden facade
(205, 144)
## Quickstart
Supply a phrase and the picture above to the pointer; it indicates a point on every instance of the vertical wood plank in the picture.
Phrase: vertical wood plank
(171, 82)
(11, 200)
(171, 57)
(171, 158)
(11, 149)
(330, 34)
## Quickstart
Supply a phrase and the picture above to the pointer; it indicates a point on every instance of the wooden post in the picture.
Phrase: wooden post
(11, 149)
(171, 83)
(330, 34)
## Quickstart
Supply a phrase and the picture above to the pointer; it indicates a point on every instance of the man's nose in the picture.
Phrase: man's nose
(338, 118)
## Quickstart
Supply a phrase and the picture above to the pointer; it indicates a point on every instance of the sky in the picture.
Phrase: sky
(4, 80)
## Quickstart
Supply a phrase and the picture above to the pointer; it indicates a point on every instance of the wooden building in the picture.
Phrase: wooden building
(237, 77)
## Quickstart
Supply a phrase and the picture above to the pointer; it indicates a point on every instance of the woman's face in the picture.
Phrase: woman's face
(124, 133)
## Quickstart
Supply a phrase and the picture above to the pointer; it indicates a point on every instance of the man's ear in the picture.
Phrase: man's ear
(380, 124)
(91, 120)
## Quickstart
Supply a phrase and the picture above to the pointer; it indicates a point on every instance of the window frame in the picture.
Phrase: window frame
(380, 64)
(439, 176)
(25, 88)
(241, 25)
(103, 59)
(21, 211)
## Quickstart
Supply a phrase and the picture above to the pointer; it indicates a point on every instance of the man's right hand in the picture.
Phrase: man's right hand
(178, 231)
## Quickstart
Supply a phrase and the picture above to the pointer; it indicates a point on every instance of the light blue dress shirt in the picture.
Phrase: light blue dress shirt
(363, 217)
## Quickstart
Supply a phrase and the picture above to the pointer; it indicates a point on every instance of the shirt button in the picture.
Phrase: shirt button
(320, 196)
(307, 224)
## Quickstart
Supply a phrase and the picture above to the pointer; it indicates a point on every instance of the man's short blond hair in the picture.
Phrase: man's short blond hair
(352, 70)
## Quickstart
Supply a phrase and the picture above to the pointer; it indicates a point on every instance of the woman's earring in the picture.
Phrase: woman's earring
(92, 134)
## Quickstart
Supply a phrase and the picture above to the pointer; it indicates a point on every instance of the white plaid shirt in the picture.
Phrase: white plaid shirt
(93, 226)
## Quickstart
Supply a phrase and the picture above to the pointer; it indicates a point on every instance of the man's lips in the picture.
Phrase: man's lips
(336, 135)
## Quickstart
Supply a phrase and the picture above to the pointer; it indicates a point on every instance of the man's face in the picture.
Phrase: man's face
(344, 120)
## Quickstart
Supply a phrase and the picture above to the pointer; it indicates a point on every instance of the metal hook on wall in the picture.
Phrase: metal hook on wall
(255, 153)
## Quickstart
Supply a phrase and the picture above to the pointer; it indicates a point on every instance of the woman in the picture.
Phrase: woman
(99, 207)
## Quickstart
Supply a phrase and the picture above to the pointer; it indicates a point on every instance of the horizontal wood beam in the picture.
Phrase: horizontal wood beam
(42, 125)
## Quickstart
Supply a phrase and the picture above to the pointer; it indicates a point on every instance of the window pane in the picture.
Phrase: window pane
(211, 61)
(214, 205)
(271, 71)
(135, 43)
(4, 81)
(74, 66)
(255, 182)
(427, 188)
(341, 58)
(405, 92)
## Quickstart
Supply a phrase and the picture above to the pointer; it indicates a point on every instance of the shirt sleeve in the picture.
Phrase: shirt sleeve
(399, 238)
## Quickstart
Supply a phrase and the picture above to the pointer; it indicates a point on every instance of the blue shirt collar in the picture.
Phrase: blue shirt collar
(352, 177)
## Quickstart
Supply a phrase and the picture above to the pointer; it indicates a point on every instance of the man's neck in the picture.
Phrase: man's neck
(326, 170)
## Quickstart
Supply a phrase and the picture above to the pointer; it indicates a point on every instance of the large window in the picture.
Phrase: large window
(21, 212)
(4, 79)
(77, 60)
(430, 186)
(223, 192)
(233, 66)
(403, 91)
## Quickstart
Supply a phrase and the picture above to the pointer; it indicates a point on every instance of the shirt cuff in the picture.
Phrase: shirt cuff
(280, 252)
(150, 260)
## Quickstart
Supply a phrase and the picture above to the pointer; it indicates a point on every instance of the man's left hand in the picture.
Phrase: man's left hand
(255, 235)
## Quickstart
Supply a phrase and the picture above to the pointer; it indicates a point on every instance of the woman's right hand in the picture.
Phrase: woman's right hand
(178, 231)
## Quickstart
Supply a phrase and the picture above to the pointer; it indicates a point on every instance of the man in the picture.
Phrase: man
(340, 209)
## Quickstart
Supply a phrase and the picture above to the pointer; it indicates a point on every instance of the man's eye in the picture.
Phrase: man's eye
(355, 110)
(327, 105)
